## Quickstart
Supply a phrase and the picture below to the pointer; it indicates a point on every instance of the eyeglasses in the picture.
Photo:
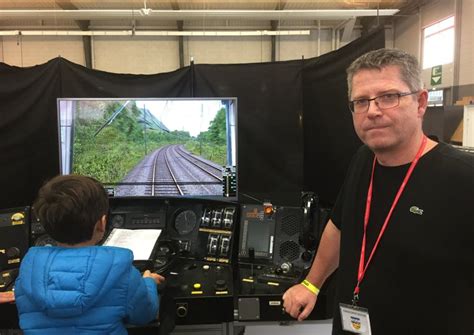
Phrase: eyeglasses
(384, 101)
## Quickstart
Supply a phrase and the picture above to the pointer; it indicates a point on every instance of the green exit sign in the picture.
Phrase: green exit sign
(436, 75)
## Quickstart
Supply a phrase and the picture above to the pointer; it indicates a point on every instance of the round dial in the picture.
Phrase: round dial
(117, 221)
(185, 222)
(45, 240)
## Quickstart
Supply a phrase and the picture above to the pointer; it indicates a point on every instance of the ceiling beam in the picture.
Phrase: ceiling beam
(180, 24)
(174, 5)
(111, 14)
(84, 26)
(67, 5)
(281, 5)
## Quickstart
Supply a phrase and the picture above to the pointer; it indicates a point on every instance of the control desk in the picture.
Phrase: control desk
(195, 252)
(222, 261)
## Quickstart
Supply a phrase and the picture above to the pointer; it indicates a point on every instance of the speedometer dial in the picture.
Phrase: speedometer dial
(185, 222)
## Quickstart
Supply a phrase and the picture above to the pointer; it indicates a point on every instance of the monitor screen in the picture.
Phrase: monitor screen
(152, 147)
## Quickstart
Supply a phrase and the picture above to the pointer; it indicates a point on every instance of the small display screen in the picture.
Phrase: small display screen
(257, 232)
(259, 238)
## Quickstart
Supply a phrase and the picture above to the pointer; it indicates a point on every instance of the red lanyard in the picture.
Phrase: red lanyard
(362, 267)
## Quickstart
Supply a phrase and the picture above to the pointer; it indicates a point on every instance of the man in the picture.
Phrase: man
(401, 231)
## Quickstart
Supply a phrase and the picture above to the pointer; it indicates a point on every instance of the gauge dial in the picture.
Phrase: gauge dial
(117, 221)
(45, 240)
(185, 222)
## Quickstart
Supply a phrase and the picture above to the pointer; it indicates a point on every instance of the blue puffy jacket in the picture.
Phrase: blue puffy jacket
(87, 290)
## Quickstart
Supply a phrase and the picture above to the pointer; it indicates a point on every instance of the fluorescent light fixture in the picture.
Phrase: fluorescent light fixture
(141, 14)
(75, 33)
(9, 32)
(152, 33)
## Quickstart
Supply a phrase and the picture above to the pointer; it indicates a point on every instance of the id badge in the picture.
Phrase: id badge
(355, 319)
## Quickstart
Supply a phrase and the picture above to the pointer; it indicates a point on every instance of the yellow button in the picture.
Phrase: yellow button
(197, 286)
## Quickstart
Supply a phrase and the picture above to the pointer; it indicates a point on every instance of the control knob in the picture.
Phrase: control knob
(13, 252)
(221, 285)
(182, 310)
(286, 267)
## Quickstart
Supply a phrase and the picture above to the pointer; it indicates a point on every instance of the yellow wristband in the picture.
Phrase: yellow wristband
(310, 287)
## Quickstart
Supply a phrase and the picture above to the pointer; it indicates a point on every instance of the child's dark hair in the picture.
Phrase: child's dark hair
(69, 207)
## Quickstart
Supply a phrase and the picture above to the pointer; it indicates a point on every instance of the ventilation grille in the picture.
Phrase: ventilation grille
(289, 250)
(290, 225)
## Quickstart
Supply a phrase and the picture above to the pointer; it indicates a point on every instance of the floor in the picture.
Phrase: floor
(322, 327)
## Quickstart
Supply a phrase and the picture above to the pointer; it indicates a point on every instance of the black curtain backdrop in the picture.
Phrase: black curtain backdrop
(270, 133)
(28, 130)
(329, 136)
(294, 129)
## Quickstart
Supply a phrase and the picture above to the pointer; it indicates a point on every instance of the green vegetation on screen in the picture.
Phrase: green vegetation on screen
(122, 144)
(211, 144)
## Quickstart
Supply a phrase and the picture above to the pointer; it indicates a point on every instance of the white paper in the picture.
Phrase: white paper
(139, 241)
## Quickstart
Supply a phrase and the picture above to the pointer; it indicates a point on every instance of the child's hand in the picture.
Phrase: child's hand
(8, 296)
(156, 277)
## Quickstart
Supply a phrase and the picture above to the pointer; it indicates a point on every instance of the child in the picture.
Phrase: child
(7, 296)
(78, 287)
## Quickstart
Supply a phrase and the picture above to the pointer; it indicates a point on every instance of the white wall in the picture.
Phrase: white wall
(296, 47)
(227, 50)
(389, 37)
(29, 50)
(429, 14)
(150, 55)
(408, 32)
(436, 11)
(137, 55)
(466, 62)
(146, 55)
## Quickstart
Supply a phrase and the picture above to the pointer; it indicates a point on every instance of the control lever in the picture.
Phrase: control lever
(251, 259)
(7, 279)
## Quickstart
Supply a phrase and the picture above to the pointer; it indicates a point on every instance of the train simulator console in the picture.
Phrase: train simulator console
(223, 261)
(194, 252)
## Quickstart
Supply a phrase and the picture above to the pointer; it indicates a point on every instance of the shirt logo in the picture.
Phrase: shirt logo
(416, 210)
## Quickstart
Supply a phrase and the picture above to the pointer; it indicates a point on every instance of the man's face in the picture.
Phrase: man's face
(387, 129)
